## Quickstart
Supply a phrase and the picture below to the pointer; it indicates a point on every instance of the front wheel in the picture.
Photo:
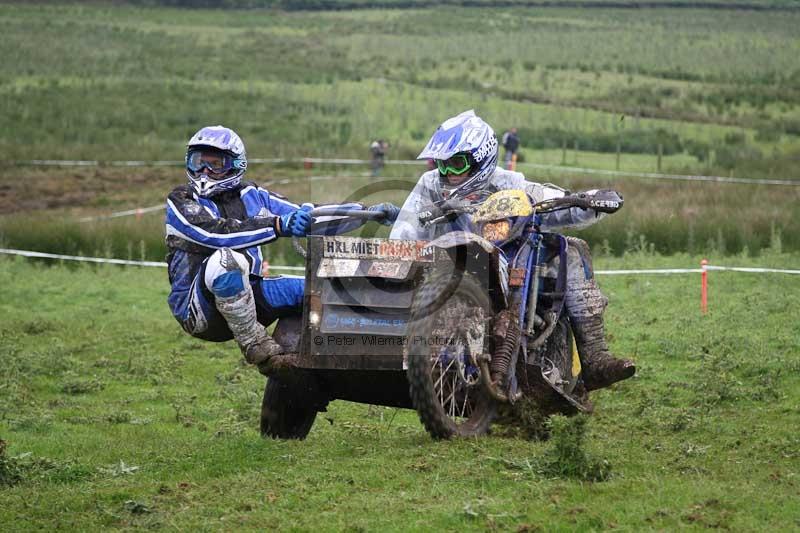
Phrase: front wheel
(444, 344)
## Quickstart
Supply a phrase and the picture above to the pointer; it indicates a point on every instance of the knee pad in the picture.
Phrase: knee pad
(579, 261)
(585, 299)
(226, 272)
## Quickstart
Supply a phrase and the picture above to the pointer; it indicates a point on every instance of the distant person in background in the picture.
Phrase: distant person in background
(215, 226)
(378, 151)
(510, 142)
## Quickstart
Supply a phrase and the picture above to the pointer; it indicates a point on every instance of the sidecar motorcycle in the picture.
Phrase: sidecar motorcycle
(455, 328)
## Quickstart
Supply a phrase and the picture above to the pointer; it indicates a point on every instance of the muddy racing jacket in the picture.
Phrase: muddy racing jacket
(408, 226)
(242, 219)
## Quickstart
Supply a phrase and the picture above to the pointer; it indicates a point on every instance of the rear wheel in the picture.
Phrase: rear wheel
(288, 409)
(444, 344)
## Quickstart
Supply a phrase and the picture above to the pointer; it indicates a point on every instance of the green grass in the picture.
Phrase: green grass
(109, 82)
(317, 5)
(670, 216)
(131, 423)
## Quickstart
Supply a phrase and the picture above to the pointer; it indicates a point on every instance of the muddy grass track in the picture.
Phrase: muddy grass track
(115, 419)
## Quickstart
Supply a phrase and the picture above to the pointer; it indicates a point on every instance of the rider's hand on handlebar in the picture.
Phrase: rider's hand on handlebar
(602, 200)
(444, 210)
(390, 212)
(296, 223)
(430, 213)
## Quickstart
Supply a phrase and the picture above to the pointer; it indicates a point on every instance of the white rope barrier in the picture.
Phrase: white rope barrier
(343, 161)
(28, 253)
(649, 271)
(698, 270)
(755, 270)
(653, 175)
(139, 211)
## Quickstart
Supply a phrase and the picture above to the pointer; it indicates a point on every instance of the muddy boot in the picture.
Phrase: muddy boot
(585, 305)
(260, 352)
(600, 368)
(235, 302)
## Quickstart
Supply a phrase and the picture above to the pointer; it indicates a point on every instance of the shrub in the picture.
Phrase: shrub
(567, 457)
(630, 141)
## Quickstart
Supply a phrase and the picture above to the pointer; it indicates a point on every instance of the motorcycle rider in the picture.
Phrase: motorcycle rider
(215, 225)
(464, 149)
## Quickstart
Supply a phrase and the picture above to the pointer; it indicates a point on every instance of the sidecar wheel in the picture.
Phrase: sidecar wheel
(287, 411)
(445, 384)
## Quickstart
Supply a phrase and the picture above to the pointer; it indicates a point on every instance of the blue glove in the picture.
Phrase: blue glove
(297, 223)
(390, 212)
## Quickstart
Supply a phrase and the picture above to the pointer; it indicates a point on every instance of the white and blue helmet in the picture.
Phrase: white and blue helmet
(227, 170)
(469, 135)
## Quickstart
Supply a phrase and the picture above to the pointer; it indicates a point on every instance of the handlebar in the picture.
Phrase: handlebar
(559, 204)
(353, 213)
(363, 214)
(448, 209)
(604, 201)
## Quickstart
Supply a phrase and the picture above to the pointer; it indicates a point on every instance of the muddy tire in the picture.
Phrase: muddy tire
(445, 385)
(287, 410)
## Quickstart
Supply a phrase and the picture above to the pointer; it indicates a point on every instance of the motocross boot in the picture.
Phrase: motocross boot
(261, 351)
(585, 306)
(239, 311)
(600, 368)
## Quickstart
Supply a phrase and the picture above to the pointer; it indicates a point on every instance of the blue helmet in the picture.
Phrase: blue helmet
(220, 151)
(468, 135)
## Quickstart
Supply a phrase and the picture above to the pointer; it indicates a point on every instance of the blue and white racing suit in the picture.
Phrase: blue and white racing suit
(241, 219)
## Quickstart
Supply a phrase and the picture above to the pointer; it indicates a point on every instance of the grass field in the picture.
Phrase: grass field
(112, 417)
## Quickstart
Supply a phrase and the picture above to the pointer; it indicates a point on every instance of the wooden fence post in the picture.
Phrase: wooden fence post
(660, 153)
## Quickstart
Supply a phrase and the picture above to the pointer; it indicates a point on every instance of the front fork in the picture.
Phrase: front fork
(533, 294)
(523, 321)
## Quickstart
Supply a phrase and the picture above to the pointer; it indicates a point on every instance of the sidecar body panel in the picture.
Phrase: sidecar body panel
(357, 304)
(358, 297)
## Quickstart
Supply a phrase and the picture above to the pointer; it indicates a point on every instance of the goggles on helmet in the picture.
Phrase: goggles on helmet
(457, 164)
(218, 162)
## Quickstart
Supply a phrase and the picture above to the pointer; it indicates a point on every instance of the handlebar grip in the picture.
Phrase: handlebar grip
(606, 201)
(429, 214)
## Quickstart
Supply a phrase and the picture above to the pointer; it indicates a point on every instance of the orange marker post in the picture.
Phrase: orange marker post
(704, 286)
